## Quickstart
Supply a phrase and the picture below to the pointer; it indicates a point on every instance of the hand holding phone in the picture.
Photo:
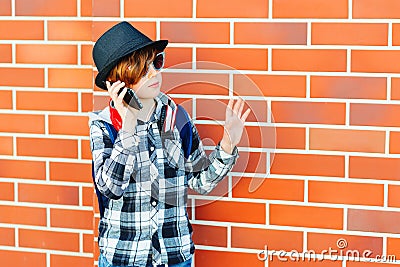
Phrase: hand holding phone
(131, 98)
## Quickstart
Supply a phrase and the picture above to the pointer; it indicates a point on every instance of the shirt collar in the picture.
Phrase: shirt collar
(161, 100)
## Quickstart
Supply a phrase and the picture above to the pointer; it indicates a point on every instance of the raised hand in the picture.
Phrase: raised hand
(234, 124)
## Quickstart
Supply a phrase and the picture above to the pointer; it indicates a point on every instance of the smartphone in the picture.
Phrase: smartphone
(131, 99)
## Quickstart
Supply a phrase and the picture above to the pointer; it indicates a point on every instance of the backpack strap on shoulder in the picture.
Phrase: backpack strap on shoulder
(103, 200)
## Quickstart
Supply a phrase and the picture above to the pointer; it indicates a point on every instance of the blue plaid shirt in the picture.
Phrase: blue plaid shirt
(145, 175)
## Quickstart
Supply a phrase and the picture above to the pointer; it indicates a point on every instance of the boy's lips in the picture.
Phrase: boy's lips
(154, 84)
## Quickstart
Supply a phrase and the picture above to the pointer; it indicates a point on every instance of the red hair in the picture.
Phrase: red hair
(131, 68)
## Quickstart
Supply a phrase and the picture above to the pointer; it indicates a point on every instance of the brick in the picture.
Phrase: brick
(21, 30)
(227, 211)
(306, 216)
(6, 99)
(5, 53)
(106, 8)
(5, 8)
(373, 221)
(251, 162)
(75, 219)
(393, 198)
(190, 83)
(48, 240)
(374, 9)
(50, 194)
(394, 147)
(368, 264)
(395, 94)
(51, 101)
(87, 196)
(100, 102)
(308, 164)
(148, 28)
(86, 8)
(86, 153)
(232, 58)
(290, 138)
(7, 192)
(71, 172)
(63, 8)
(271, 188)
(372, 34)
(375, 61)
(254, 238)
(375, 168)
(272, 33)
(69, 125)
(23, 169)
(345, 193)
(393, 247)
(22, 215)
(348, 87)
(375, 115)
(276, 262)
(196, 32)
(22, 258)
(186, 103)
(323, 9)
(309, 113)
(159, 8)
(269, 85)
(316, 60)
(6, 145)
(12, 77)
(71, 78)
(347, 140)
(22, 123)
(46, 54)
(206, 258)
(69, 30)
(88, 243)
(65, 261)
(208, 235)
(86, 102)
(7, 237)
(96, 252)
(86, 55)
(258, 136)
(47, 147)
(319, 242)
(210, 134)
(396, 34)
(237, 9)
(214, 109)
(179, 58)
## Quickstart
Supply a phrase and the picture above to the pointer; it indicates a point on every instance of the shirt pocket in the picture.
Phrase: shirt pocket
(172, 149)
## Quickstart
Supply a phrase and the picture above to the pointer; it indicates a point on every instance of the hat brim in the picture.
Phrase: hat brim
(101, 77)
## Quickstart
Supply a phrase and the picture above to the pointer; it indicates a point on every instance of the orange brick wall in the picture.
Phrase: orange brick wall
(319, 159)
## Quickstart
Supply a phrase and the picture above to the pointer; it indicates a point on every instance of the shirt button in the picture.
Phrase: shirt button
(154, 203)
(151, 148)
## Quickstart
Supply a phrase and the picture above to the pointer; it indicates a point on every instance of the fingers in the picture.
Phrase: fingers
(238, 109)
(245, 115)
(114, 88)
(237, 106)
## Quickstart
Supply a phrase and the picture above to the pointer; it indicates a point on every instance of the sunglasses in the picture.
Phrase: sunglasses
(158, 62)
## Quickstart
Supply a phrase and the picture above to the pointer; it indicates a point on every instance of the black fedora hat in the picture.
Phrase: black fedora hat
(119, 41)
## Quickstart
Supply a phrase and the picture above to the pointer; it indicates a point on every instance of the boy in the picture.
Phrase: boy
(145, 172)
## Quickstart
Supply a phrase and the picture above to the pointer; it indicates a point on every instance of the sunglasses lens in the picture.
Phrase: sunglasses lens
(159, 61)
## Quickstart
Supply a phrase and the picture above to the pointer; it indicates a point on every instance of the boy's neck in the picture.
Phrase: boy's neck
(148, 109)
